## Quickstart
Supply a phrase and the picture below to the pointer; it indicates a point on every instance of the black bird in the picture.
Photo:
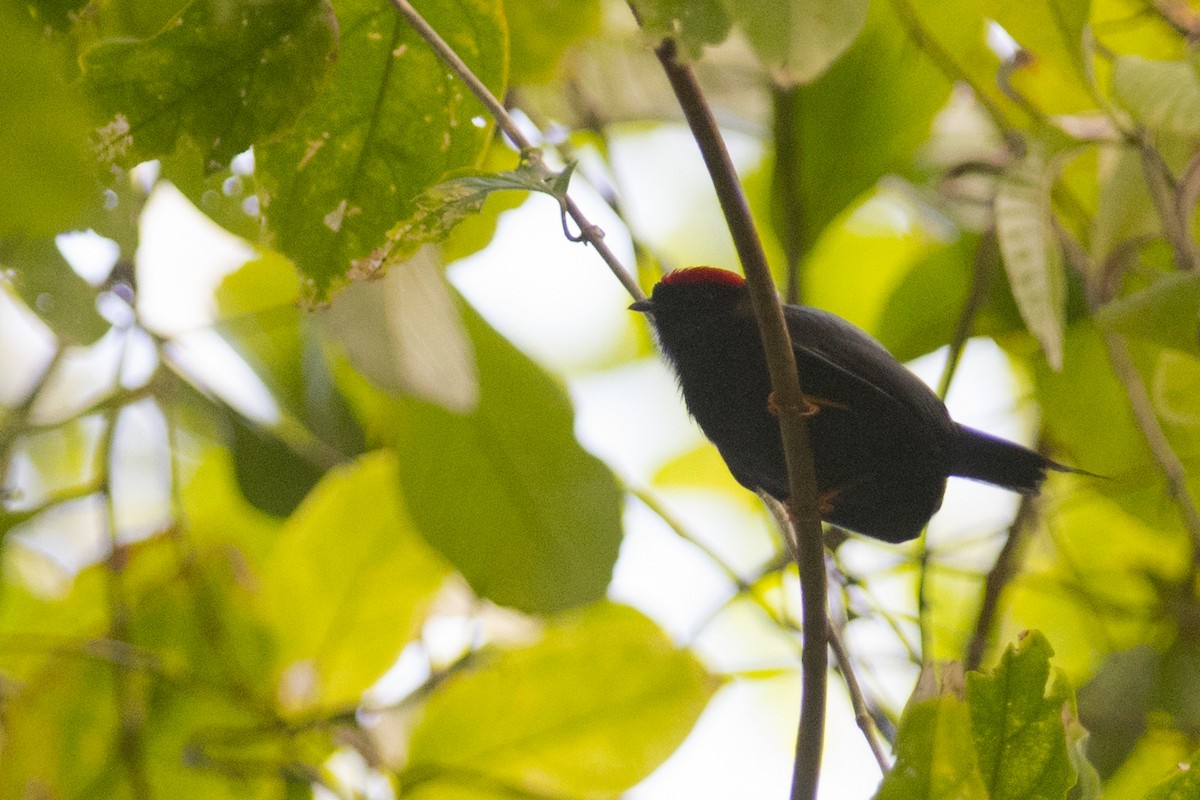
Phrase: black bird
(883, 444)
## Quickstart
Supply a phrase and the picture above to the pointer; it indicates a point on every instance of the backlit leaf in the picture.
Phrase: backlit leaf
(392, 122)
(588, 711)
(225, 75)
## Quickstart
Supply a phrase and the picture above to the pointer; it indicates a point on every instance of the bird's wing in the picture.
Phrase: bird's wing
(861, 362)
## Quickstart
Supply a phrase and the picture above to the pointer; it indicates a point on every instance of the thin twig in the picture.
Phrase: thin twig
(862, 714)
(785, 385)
(742, 586)
(1163, 192)
(588, 231)
(998, 577)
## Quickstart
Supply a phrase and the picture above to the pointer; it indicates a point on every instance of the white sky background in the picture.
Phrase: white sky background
(557, 301)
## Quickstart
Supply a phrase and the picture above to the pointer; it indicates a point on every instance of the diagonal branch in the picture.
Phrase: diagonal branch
(588, 231)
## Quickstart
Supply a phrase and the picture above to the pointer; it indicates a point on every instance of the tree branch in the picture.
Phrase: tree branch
(589, 232)
(781, 363)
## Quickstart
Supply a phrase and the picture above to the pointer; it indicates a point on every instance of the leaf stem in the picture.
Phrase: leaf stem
(588, 231)
(781, 363)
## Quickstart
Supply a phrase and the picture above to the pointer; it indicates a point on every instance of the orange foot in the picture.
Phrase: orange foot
(825, 503)
(812, 405)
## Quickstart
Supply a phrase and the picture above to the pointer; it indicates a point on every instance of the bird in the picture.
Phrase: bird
(883, 444)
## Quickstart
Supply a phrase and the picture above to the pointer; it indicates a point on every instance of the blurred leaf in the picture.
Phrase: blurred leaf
(225, 197)
(1055, 72)
(46, 179)
(693, 24)
(1175, 388)
(1183, 784)
(701, 467)
(1122, 26)
(1162, 95)
(32, 616)
(1167, 312)
(1114, 703)
(1155, 757)
(922, 313)
(441, 208)
(212, 505)
(797, 40)
(390, 125)
(1031, 251)
(103, 716)
(934, 753)
(1017, 718)
(259, 318)
(56, 13)
(1053, 29)
(540, 31)
(346, 587)
(900, 239)
(843, 148)
(404, 334)
(54, 291)
(271, 474)
(1068, 411)
(1124, 210)
(225, 75)
(588, 711)
(505, 492)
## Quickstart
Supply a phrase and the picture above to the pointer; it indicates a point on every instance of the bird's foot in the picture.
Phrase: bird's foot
(811, 405)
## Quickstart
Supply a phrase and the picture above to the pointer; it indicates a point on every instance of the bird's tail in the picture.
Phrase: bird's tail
(983, 457)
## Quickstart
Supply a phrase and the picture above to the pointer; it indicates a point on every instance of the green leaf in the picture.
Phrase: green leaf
(843, 148)
(588, 711)
(188, 671)
(54, 291)
(1183, 784)
(272, 475)
(347, 586)
(910, 325)
(541, 31)
(46, 180)
(693, 24)
(505, 491)
(797, 40)
(1114, 703)
(1162, 95)
(1031, 251)
(225, 75)
(1175, 388)
(391, 124)
(404, 334)
(1124, 212)
(1017, 724)
(934, 753)
(441, 208)
(1167, 312)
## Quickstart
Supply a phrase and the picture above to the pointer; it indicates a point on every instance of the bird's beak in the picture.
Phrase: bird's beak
(644, 306)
